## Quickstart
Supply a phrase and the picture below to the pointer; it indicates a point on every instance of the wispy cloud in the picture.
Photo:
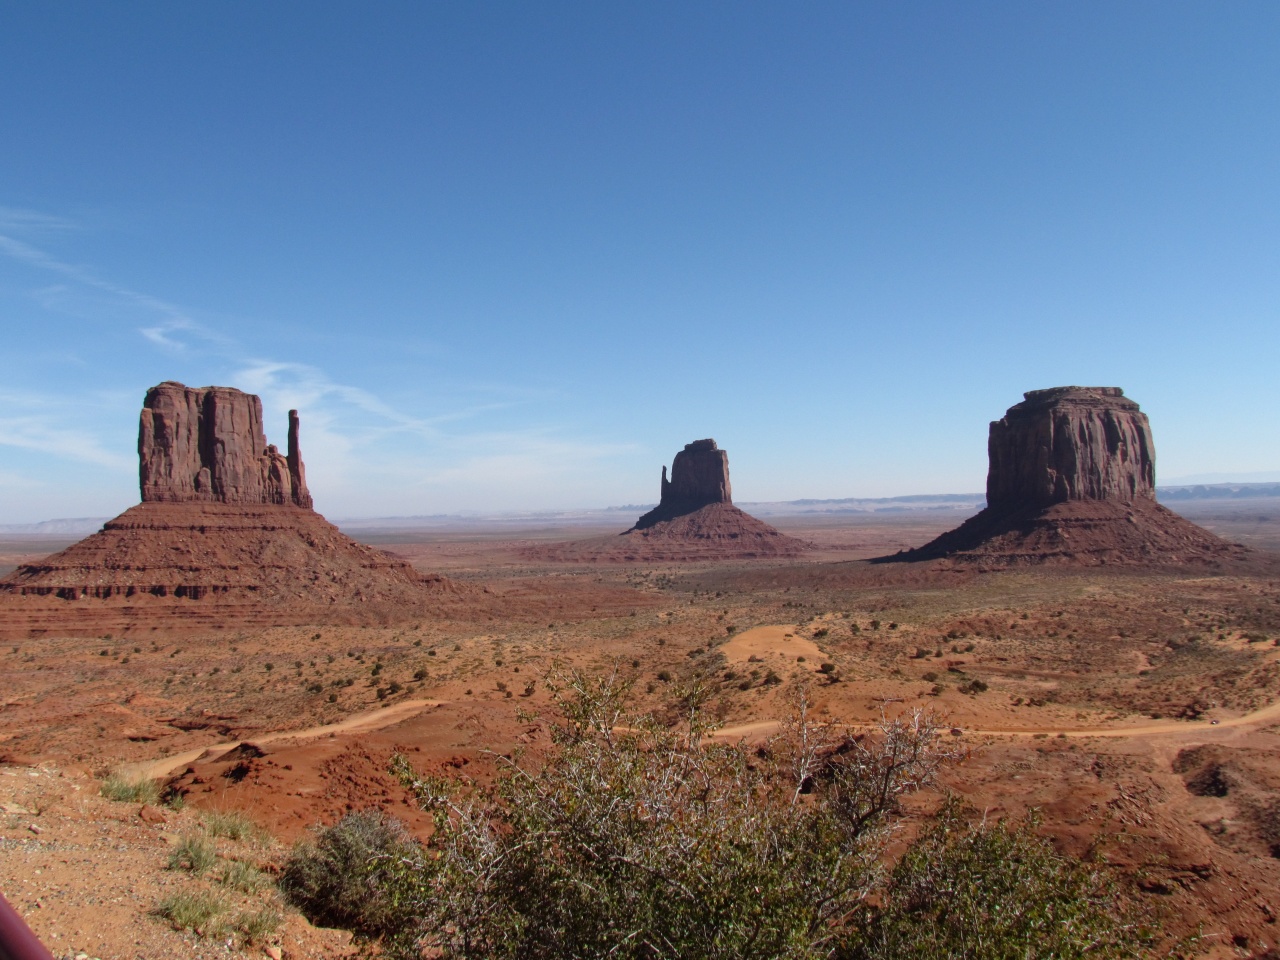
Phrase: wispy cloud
(37, 423)
(416, 456)
(167, 319)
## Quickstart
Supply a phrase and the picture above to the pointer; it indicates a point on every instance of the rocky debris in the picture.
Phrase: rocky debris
(1071, 480)
(207, 445)
(1071, 443)
(699, 476)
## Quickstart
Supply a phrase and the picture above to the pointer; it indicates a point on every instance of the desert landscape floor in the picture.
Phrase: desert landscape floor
(1137, 710)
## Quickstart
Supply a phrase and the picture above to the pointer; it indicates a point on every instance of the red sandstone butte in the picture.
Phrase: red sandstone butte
(694, 520)
(225, 530)
(1071, 479)
(206, 445)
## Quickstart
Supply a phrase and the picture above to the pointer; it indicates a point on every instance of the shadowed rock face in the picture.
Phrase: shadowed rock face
(699, 477)
(206, 445)
(1071, 480)
(1070, 443)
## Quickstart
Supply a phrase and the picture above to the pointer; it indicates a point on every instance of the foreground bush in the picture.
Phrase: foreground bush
(633, 840)
(996, 892)
(341, 878)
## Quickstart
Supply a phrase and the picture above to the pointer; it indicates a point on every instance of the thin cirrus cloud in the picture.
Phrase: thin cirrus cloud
(168, 320)
(39, 426)
(353, 438)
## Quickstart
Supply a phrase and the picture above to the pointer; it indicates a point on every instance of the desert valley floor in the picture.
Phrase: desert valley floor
(1137, 709)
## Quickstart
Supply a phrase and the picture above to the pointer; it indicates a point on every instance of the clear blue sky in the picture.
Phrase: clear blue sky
(511, 256)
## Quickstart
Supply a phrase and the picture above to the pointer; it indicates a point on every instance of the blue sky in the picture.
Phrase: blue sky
(513, 256)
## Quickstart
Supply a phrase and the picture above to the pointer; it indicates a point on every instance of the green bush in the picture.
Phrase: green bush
(130, 787)
(193, 910)
(997, 892)
(341, 877)
(636, 841)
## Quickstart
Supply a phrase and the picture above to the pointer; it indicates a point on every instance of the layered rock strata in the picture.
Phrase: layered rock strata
(206, 445)
(225, 520)
(1071, 479)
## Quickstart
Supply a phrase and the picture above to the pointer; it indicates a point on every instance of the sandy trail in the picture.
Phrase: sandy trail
(766, 640)
(373, 720)
(759, 641)
(1163, 728)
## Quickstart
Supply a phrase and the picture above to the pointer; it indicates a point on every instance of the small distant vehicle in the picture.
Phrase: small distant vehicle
(1213, 723)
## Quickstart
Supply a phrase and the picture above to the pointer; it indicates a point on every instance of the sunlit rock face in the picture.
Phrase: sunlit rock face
(206, 445)
(1071, 443)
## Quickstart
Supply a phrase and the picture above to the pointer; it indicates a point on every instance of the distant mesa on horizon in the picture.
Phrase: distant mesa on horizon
(1071, 479)
(225, 518)
(699, 478)
(695, 519)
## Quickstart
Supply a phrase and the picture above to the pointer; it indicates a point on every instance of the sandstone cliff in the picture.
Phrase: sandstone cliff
(206, 445)
(1071, 443)
(1071, 480)
(699, 477)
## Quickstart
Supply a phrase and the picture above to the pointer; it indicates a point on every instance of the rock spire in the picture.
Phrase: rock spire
(206, 445)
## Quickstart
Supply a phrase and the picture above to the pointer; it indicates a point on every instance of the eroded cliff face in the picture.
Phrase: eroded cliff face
(1070, 443)
(699, 476)
(207, 445)
(1072, 481)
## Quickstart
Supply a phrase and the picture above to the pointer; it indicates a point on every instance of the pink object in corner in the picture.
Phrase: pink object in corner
(17, 942)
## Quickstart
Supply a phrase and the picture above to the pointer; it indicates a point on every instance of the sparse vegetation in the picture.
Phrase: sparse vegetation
(130, 787)
(193, 910)
(193, 853)
(342, 877)
(656, 842)
(232, 824)
(998, 892)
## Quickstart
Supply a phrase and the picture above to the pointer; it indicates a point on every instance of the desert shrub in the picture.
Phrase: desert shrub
(340, 878)
(244, 877)
(258, 926)
(997, 892)
(193, 853)
(231, 824)
(130, 787)
(193, 910)
(633, 840)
